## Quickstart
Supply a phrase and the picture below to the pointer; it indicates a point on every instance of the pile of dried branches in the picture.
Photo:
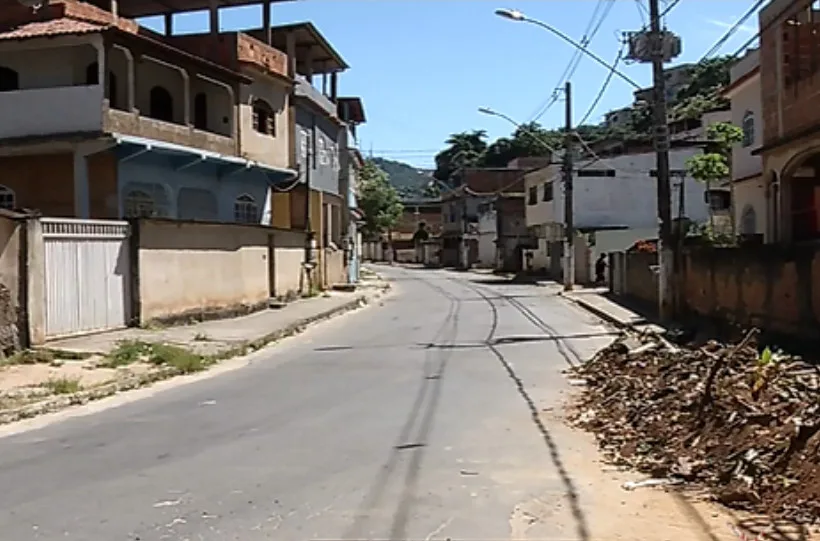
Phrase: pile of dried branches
(743, 422)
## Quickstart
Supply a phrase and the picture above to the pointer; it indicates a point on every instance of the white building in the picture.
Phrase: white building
(750, 192)
(614, 198)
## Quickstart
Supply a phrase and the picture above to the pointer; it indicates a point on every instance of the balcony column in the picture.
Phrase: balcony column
(101, 63)
(324, 84)
(214, 16)
(131, 79)
(169, 24)
(266, 26)
(334, 86)
(309, 66)
(291, 52)
(114, 9)
(186, 98)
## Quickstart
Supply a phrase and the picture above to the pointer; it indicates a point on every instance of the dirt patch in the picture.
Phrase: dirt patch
(744, 423)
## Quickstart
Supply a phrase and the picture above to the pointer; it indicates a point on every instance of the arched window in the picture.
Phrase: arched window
(7, 198)
(201, 111)
(161, 104)
(9, 79)
(748, 221)
(264, 118)
(245, 210)
(92, 77)
(139, 204)
(748, 129)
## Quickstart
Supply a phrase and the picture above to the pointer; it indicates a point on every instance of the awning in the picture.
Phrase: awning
(137, 146)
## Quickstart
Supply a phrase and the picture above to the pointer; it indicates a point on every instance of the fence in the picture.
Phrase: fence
(64, 277)
(773, 287)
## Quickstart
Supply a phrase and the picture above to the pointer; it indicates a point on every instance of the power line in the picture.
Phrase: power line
(590, 32)
(603, 87)
(734, 28)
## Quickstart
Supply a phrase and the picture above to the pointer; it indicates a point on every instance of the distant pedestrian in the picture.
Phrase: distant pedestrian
(600, 270)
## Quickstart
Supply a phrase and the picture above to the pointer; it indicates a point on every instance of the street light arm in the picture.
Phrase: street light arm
(517, 16)
(538, 137)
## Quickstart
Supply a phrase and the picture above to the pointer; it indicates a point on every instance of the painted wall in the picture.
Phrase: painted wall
(630, 197)
(751, 206)
(262, 147)
(317, 137)
(188, 268)
(194, 193)
(746, 99)
(542, 211)
(487, 236)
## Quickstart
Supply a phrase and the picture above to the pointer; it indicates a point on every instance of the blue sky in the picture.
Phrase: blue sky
(424, 67)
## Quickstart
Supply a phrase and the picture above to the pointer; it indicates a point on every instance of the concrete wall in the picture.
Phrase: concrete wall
(746, 100)
(751, 206)
(487, 236)
(335, 268)
(11, 241)
(257, 146)
(771, 286)
(193, 268)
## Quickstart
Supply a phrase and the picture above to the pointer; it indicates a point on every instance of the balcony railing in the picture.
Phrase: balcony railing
(306, 90)
(51, 111)
(123, 122)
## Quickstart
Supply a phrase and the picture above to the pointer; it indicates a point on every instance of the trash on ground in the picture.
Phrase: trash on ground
(743, 422)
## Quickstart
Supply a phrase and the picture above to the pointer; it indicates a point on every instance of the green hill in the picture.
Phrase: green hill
(408, 181)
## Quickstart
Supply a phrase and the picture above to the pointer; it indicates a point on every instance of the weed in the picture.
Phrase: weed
(201, 337)
(127, 352)
(181, 359)
(30, 356)
(63, 385)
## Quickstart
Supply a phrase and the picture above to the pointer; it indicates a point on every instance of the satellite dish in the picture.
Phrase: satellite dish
(33, 4)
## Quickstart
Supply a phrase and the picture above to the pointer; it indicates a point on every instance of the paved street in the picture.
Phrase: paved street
(421, 418)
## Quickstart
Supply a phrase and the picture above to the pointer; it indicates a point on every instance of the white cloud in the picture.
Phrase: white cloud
(745, 28)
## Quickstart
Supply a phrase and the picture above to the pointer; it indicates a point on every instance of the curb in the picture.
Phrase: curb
(597, 312)
(137, 381)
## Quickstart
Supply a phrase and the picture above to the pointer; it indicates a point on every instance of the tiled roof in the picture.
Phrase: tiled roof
(51, 28)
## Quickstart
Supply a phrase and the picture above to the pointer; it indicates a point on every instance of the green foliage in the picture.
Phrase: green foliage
(713, 166)
(378, 200)
(409, 182)
(702, 94)
(463, 150)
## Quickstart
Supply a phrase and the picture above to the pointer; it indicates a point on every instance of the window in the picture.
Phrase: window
(304, 141)
(245, 210)
(264, 118)
(748, 129)
(548, 195)
(145, 199)
(9, 79)
(322, 152)
(161, 104)
(201, 111)
(7, 199)
(532, 199)
(139, 204)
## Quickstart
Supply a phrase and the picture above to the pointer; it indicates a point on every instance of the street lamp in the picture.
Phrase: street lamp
(537, 136)
(515, 15)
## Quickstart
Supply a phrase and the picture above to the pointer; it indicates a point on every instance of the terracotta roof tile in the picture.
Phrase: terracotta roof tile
(54, 27)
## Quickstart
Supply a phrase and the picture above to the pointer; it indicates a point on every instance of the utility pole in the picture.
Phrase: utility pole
(569, 226)
(666, 251)
(658, 46)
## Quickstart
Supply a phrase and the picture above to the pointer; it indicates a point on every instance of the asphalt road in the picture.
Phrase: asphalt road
(415, 419)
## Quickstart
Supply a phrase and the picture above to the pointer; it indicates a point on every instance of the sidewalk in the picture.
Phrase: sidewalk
(84, 368)
(601, 304)
(219, 336)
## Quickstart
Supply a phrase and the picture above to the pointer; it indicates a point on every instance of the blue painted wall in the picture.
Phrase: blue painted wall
(189, 188)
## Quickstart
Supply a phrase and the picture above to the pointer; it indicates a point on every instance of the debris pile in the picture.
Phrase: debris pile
(742, 422)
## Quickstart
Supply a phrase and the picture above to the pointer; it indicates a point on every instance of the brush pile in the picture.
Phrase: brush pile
(742, 422)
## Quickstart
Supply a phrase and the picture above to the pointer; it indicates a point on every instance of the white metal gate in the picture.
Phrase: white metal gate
(87, 270)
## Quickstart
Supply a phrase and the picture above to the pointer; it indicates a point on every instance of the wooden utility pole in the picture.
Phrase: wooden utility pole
(569, 225)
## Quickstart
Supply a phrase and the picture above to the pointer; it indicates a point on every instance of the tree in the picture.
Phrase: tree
(465, 149)
(714, 166)
(378, 200)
